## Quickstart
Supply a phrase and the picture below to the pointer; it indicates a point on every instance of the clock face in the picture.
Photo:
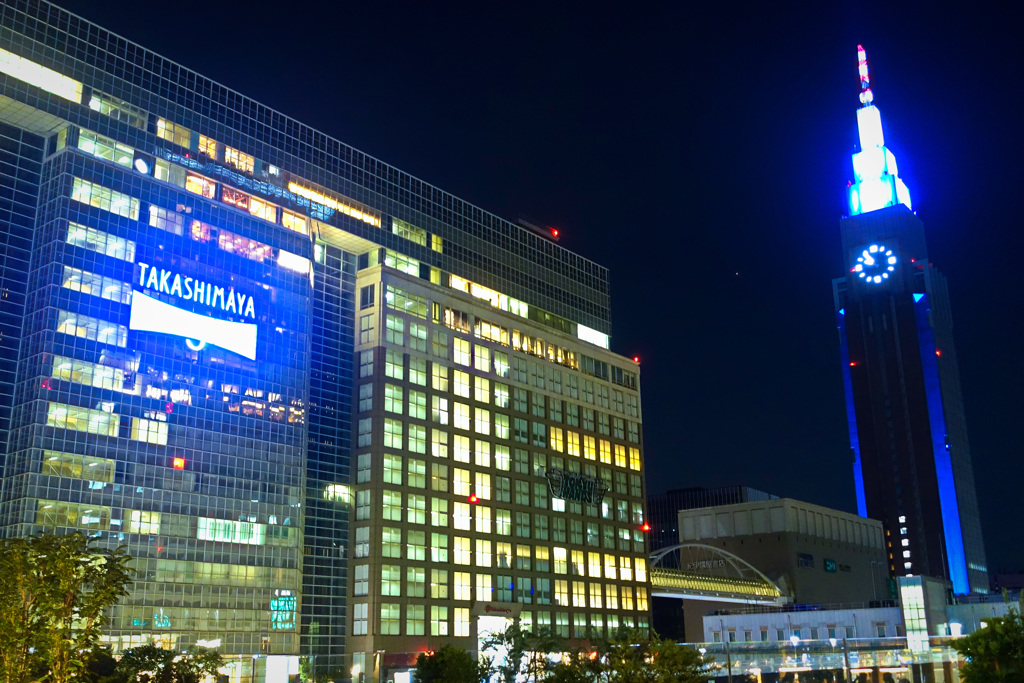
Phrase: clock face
(874, 264)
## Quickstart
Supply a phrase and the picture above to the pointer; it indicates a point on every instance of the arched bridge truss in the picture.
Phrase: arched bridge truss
(709, 573)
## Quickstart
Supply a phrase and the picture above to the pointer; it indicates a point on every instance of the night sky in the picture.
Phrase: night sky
(702, 154)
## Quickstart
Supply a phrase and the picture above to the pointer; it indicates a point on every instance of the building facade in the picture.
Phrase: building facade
(908, 434)
(505, 483)
(663, 508)
(816, 555)
(260, 359)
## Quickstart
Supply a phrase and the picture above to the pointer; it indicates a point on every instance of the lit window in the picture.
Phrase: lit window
(104, 198)
(390, 619)
(240, 160)
(462, 352)
(201, 186)
(172, 132)
(82, 419)
(105, 148)
(294, 221)
(208, 147)
(142, 522)
(119, 110)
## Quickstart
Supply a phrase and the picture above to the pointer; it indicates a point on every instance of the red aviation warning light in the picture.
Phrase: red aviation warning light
(645, 527)
(179, 463)
(473, 498)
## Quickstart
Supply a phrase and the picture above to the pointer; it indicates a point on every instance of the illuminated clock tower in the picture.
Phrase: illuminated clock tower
(911, 458)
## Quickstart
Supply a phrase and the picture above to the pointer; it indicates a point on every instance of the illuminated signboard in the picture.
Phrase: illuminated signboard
(700, 565)
(575, 486)
(152, 315)
(223, 299)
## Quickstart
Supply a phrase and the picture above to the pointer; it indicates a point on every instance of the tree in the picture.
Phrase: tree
(631, 657)
(152, 664)
(994, 654)
(54, 591)
(518, 655)
(448, 665)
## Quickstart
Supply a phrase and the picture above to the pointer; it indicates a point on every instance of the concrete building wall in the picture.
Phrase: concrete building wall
(816, 554)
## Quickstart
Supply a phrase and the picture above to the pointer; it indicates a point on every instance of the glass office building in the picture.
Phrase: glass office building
(265, 361)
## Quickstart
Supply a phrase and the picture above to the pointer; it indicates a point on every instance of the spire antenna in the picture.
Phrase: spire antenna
(866, 97)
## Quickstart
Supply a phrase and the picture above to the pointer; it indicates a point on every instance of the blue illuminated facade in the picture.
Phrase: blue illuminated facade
(243, 349)
(908, 436)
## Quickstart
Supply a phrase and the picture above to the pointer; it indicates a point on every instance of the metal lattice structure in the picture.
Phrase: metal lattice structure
(708, 573)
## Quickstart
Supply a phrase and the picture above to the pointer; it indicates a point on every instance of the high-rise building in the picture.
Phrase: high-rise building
(333, 412)
(908, 434)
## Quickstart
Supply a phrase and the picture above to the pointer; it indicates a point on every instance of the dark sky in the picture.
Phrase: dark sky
(702, 154)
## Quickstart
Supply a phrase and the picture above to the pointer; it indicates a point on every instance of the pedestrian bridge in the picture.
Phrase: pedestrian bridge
(703, 572)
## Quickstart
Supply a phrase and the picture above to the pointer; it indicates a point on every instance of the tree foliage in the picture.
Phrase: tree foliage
(632, 657)
(448, 665)
(54, 590)
(152, 664)
(629, 657)
(994, 654)
(519, 656)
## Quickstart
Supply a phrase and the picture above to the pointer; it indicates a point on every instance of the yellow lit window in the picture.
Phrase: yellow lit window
(579, 595)
(262, 209)
(634, 459)
(606, 452)
(197, 184)
(235, 198)
(627, 597)
(51, 513)
(609, 566)
(462, 551)
(207, 146)
(557, 441)
(142, 522)
(595, 596)
(594, 564)
(172, 132)
(240, 160)
(625, 569)
(90, 374)
(611, 592)
(461, 482)
(40, 76)
(82, 419)
(75, 466)
(294, 221)
(483, 553)
(620, 455)
(150, 431)
(589, 447)
(364, 215)
(461, 627)
(572, 443)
